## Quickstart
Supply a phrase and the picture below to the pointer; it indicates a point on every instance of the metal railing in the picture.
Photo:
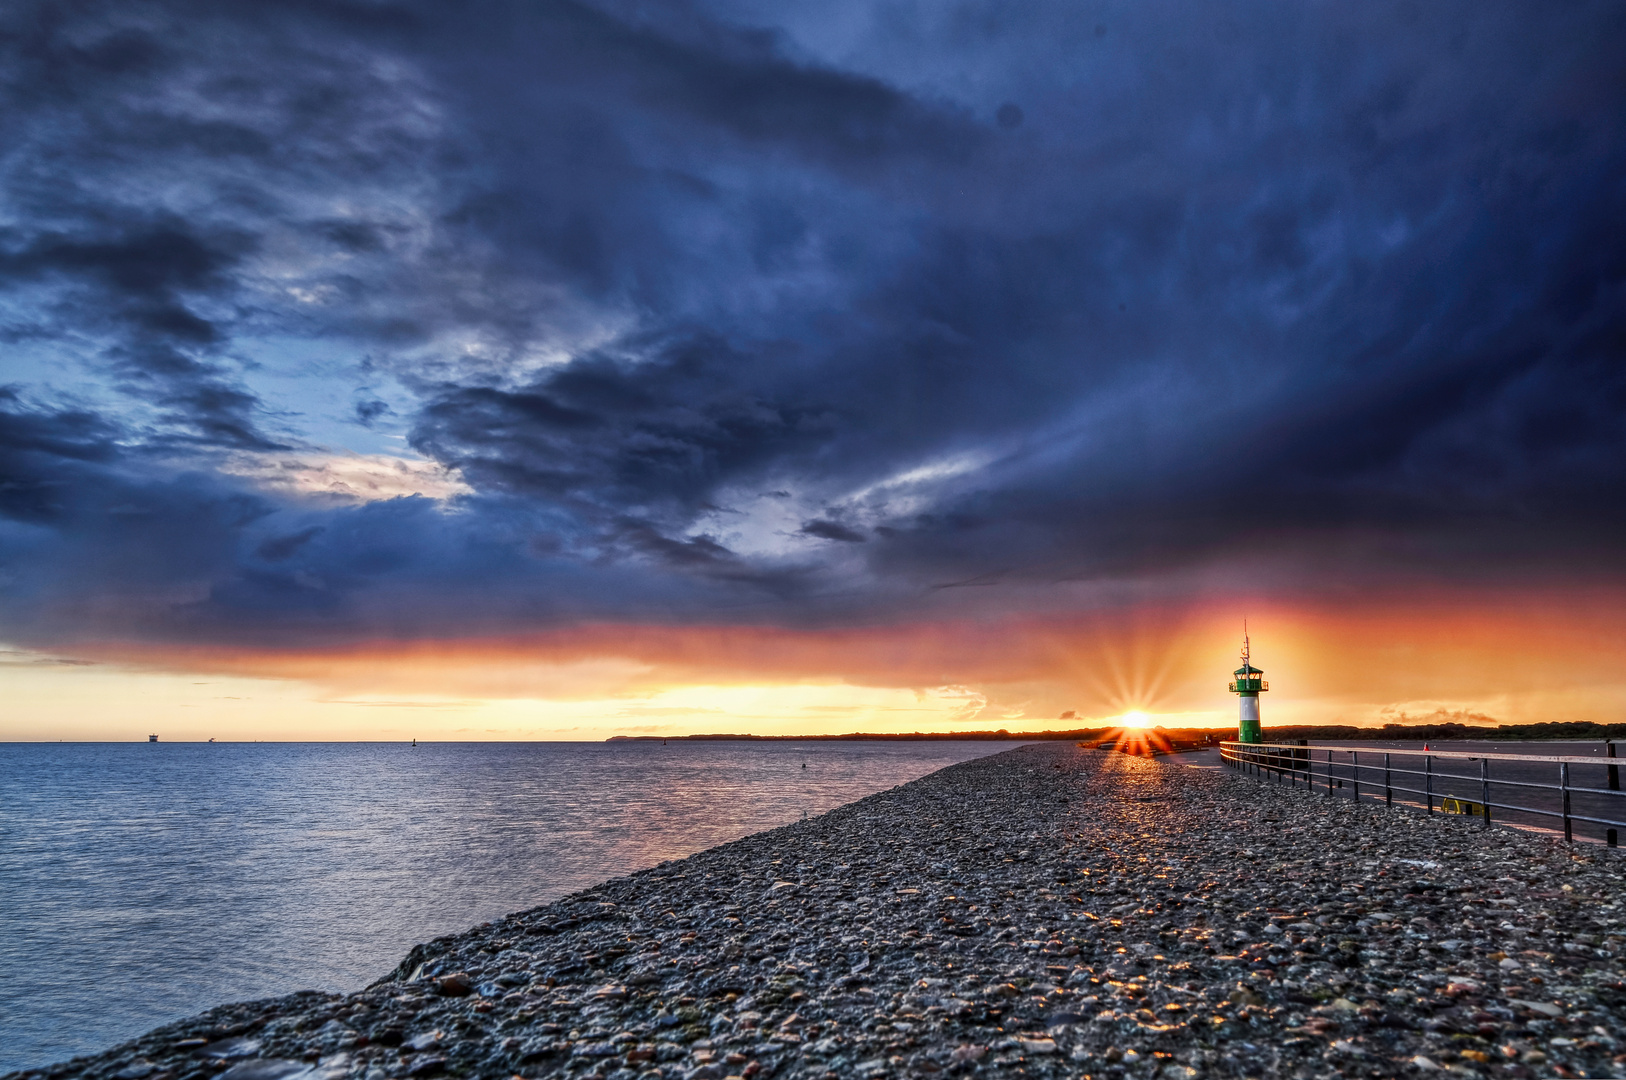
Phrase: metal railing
(1446, 788)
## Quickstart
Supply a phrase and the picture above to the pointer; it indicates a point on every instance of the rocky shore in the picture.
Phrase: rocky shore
(1046, 911)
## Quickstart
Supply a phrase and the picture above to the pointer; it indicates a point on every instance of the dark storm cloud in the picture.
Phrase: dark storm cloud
(39, 454)
(82, 526)
(832, 530)
(100, 542)
(715, 308)
(278, 548)
(147, 161)
(132, 281)
(657, 434)
(692, 69)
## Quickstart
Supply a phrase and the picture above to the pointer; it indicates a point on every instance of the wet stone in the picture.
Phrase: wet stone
(230, 1049)
(267, 1069)
(457, 984)
(1049, 911)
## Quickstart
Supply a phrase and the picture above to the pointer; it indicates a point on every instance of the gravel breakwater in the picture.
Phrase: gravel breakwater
(1047, 911)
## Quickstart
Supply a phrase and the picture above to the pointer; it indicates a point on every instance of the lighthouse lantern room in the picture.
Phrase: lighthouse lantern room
(1248, 685)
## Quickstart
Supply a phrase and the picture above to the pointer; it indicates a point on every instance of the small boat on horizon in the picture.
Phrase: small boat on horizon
(152, 738)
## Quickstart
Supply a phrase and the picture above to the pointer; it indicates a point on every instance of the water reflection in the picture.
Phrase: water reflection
(146, 882)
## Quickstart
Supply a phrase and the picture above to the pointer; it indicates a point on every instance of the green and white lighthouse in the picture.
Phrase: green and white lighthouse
(1248, 685)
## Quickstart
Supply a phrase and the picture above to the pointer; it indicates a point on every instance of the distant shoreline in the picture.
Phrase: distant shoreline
(1558, 731)
(863, 736)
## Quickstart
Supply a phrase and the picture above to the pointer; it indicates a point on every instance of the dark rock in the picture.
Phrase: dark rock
(231, 1048)
(457, 984)
(266, 1069)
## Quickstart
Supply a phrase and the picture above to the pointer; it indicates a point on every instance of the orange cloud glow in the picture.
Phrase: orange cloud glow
(1513, 658)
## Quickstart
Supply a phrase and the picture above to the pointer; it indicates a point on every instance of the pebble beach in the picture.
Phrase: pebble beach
(1050, 911)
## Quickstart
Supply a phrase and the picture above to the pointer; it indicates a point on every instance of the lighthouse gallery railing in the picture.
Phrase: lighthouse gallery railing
(1377, 773)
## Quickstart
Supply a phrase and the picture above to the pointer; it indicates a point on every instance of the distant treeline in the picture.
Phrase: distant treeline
(1549, 732)
(1002, 735)
(865, 736)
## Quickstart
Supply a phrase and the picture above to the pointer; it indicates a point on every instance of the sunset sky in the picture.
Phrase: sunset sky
(375, 370)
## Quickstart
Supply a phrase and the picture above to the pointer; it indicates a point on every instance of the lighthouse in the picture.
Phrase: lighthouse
(1248, 685)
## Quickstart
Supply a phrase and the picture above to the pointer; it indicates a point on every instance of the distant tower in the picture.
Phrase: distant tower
(1248, 685)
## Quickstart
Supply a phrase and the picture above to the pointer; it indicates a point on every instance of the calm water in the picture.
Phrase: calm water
(141, 883)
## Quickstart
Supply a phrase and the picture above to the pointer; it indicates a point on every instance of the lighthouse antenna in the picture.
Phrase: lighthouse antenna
(1244, 642)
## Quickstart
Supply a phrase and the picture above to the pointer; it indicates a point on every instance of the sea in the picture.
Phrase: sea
(142, 883)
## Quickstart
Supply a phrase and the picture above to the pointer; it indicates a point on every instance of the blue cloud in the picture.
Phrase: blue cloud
(977, 293)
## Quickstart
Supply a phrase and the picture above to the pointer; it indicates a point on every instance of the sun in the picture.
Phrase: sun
(1135, 718)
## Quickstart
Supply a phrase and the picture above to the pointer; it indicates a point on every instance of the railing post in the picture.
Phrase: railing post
(1277, 760)
(1564, 783)
(1614, 770)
